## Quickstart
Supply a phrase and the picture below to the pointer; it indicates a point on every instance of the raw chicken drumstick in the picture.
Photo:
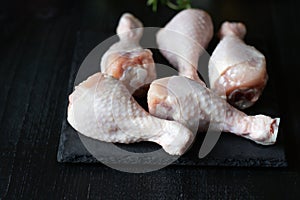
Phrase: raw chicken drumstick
(126, 60)
(194, 105)
(102, 108)
(237, 71)
(183, 40)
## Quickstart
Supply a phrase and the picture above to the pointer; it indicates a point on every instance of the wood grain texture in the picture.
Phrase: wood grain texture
(33, 75)
(35, 60)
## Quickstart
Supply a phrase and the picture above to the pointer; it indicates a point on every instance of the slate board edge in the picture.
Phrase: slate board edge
(74, 67)
(203, 162)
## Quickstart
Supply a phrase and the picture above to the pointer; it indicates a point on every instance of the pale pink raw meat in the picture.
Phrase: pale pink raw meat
(237, 71)
(195, 106)
(102, 108)
(126, 60)
(184, 39)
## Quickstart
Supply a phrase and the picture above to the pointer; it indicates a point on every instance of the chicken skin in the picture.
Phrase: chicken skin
(237, 71)
(126, 60)
(195, 106)
(102, 108)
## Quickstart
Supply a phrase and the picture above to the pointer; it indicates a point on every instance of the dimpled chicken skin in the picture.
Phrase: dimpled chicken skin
(195, 106)
(102, 108)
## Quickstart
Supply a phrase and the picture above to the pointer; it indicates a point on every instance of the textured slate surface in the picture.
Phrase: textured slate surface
(229, 151)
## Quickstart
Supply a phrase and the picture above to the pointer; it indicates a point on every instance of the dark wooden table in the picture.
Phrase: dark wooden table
(36, 46)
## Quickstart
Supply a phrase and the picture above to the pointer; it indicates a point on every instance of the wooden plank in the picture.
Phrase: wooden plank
(38, 84)
(30, 163)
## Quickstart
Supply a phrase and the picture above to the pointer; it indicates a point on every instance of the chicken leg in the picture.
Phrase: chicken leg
(102, 108)
(237, 71)
(195, 106)
(126, 60)
(183, 40)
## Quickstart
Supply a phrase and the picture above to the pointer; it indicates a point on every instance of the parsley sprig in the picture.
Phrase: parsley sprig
(179, 5)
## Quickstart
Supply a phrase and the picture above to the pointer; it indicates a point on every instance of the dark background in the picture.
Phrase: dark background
(37, 39)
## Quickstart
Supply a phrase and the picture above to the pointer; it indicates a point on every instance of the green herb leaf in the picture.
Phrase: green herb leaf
(179, 5)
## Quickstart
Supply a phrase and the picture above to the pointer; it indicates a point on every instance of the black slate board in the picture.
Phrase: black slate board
(230, 150)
